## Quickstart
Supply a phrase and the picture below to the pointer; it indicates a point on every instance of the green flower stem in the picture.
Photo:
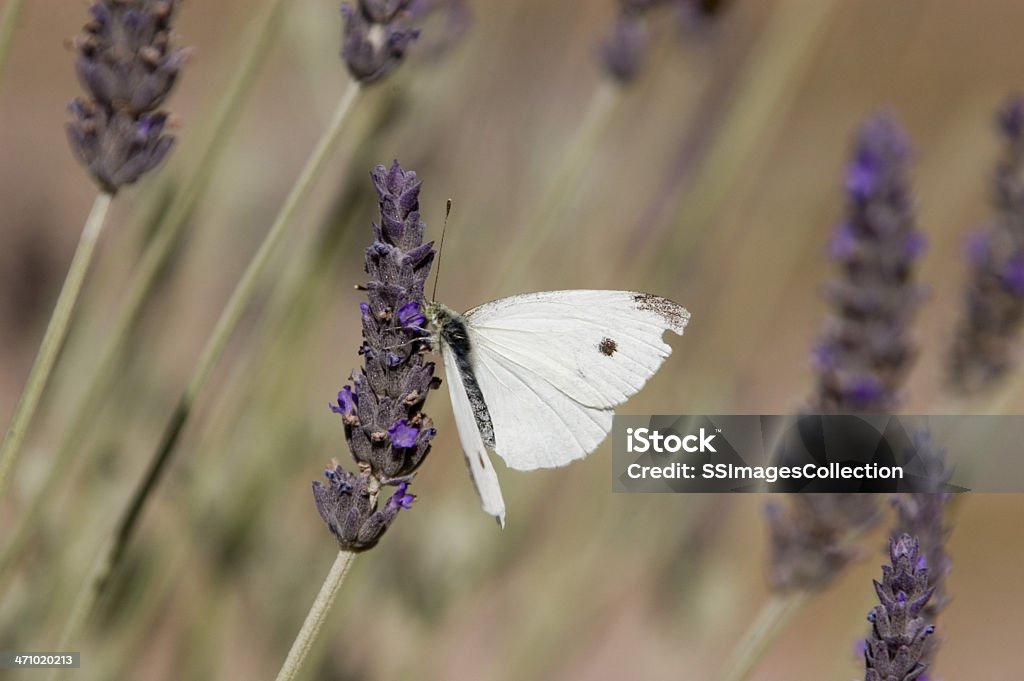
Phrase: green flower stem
(53, 339)
(8, 22)
(102, 570)
(316, 617)
(168, 233)
(772, 620)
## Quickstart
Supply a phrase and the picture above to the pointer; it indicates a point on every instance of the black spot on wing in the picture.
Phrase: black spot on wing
(607, 347)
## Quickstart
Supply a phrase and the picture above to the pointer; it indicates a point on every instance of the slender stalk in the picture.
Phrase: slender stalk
(114, 546)
(168, 232)
(53, 339)
(771, 621)
(316, 617)
(8, 22)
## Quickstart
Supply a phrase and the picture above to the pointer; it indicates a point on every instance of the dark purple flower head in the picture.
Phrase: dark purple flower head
(128, 64)
(347, 504)
(116, 148)
(385, 428)
(375, 38)
(900, 632)
(923, 515)
(984, 348)
(867, 336)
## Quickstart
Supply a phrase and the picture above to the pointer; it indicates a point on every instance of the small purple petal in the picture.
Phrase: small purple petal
(403, 435)
(347, 401)
(861, 178)
(843, 244)
(411, 316)
(864, 391)
(1013, 275)
(401, 498)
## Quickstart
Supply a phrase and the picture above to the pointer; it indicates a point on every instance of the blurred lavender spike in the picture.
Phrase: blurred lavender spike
(623, 51)
(375, 38)
(900, 631)
(865, 351)
(128, 65)
(387, 432)
(984, 348)
(810, 538)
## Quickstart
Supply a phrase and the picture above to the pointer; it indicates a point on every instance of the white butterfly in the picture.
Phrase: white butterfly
(536, 377)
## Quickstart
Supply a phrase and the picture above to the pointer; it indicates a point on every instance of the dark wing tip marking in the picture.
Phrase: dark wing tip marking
(607, 347)
(674, 314)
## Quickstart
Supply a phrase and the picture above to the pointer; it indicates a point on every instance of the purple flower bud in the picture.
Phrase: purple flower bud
(403, 435)
(401, 499)
(411, 316)
(347, 402)
(862, 178)
(843, 244)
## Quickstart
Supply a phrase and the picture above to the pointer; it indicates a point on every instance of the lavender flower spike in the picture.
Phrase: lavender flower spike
(899, 633)
(865, 349)
(923, 515)
(128, 65)
(984, 348)
(376, 37)
(385, 428)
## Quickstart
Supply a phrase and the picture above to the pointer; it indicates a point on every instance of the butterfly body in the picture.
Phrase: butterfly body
(536, 377)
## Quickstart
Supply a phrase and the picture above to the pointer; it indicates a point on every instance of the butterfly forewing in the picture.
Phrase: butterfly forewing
(553, 365)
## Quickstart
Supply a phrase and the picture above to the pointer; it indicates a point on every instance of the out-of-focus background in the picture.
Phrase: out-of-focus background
(715, 179)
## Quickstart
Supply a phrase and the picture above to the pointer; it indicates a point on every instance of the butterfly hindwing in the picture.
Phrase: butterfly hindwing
(478, 461)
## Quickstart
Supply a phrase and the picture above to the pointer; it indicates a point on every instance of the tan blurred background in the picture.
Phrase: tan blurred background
(715, 180)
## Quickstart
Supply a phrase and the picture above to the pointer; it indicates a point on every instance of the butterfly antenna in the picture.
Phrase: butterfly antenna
(440, 249)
